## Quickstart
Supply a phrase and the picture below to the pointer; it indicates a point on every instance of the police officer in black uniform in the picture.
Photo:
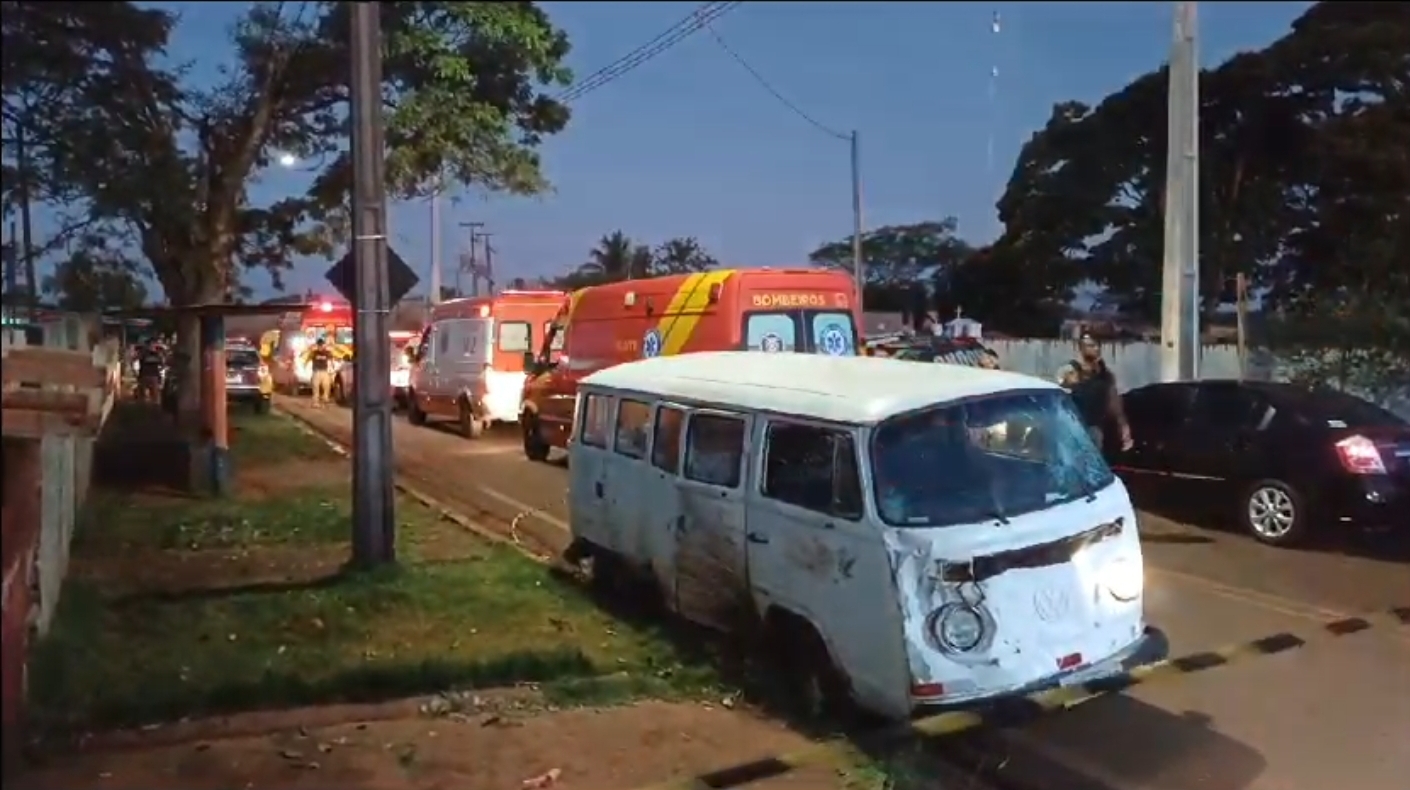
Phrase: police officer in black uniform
(150, 362)
(1094, 390)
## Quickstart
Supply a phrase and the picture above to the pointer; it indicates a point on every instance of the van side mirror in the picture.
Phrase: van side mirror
(531, 362)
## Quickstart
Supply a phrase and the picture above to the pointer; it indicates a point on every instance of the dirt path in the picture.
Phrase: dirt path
(585, 749)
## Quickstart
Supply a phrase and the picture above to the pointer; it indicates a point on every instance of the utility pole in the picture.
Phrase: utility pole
(468, 264)
(1179, 302)
(436, 243)
(858, 265)
(374, 517)
(489, 263)
(26, 245)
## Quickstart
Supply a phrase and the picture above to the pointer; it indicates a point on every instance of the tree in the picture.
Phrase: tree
(617, 257)
(1298, 166)
(149, 150)
(682, 255)
(1006, 290)
(97, 278)
(898, 259)
(50, 55)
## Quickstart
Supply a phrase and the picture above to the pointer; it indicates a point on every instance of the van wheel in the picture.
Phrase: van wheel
(1273, 513)
(535, 448)
(471, 426)
(606, 574)
(816, 688)
(414, 415)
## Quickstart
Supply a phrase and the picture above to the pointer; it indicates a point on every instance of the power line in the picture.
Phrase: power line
(766, 85)
(681, 30)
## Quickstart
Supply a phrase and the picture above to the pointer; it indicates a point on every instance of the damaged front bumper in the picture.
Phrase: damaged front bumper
(1152, 646)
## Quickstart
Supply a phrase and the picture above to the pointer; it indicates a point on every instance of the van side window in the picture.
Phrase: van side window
(515, 337)
(714, 448)
(633, 417)
(813, 468)
(442, 341)
(597, 417)
(666, 446)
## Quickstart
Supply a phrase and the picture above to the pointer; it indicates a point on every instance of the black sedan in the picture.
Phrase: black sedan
(1285, 460)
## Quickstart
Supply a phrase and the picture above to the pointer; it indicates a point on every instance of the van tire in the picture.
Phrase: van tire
(817, 689)
(535, 448)
(414, 415)
(471, 426)
(607, 573)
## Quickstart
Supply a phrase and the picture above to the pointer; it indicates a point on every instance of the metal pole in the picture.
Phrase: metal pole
(489, 264)
(374, 519)
(474, 273)
(858, 266)
(436, 244)
(1179, 306)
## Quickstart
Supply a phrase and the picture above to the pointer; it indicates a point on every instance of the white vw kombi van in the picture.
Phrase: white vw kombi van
(914, 535)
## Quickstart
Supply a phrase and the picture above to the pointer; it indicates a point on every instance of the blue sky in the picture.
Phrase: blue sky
(689, 144)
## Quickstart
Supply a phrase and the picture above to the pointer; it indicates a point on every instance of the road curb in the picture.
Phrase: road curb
(441, 509)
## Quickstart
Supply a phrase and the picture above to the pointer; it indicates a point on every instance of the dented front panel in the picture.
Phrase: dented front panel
(1041, 583)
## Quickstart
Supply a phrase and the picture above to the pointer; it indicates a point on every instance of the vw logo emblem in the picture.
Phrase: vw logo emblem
(1051, 604)
(771, 343)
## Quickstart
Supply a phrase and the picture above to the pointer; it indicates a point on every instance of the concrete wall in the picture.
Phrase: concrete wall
(45, 482)
(1138, 363)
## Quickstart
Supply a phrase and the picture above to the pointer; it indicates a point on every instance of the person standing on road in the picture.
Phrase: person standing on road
(320, 361)
(1094, 389)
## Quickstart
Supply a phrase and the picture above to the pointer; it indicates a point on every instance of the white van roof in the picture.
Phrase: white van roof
(859, 390)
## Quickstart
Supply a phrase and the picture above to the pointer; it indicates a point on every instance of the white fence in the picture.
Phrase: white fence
(1138, 363)
(66, 462)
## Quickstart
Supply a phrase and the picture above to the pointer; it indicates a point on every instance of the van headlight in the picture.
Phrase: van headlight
(1124, 579)
(957, 627)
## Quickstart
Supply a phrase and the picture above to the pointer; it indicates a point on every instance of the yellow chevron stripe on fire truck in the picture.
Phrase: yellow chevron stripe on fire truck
(686, 309)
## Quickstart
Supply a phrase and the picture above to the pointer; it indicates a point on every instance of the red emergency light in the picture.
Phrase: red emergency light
(325, 307)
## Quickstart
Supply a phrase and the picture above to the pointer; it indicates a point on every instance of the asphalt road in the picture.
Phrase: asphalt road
(1335, 713)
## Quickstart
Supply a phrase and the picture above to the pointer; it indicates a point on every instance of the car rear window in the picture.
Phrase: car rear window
(242, 359)
(1338, 409)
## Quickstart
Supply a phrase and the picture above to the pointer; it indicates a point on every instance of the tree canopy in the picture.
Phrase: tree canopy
(1303, 186)
(125, 138)
(97, 276)
(618, 257)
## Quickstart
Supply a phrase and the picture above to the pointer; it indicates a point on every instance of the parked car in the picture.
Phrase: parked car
(928, 348)
(1286, 460)
(400, 348)
(247, 381)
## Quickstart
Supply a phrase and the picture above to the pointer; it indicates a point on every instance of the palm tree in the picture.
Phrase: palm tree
(683, 256)
(617, 258)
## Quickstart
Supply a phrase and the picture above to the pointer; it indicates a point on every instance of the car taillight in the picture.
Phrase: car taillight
(1360, 456)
